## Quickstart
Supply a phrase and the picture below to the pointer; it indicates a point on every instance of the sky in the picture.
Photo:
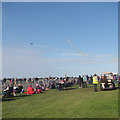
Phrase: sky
(68, 38)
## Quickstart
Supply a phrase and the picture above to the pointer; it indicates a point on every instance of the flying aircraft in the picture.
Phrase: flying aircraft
(31, 43)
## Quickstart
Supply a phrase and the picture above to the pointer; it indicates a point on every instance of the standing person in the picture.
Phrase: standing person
(98, 78)
(87, 77)
(119, 81)
(91, 79)
(73, 82)
(95, 82)
(84, 81)
(12, 81)
(115, 79)
(80, 81)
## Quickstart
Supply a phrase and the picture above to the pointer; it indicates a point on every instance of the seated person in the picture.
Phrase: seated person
(37, 85)
(42, 88)
(20, 87)
(22, 91)
(38, 90)
(10, 90)
(15, 88)
(53, 86)
(4, 93)
(7, 91)
(59, 86)
(30, 90)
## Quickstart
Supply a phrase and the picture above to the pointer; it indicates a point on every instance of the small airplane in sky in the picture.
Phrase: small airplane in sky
(31, 43)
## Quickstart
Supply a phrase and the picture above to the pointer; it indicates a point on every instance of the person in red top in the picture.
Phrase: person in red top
(62, 80)
(98, 78)
(30, 90)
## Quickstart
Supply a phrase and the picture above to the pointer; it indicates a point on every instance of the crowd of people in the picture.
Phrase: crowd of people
(95, 79)
(14, 89)
(61, 83)
(84, 81)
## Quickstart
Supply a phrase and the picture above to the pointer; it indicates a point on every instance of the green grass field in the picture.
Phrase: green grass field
(73, 103)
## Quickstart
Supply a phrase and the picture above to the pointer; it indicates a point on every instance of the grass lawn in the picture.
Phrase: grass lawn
(73, 103)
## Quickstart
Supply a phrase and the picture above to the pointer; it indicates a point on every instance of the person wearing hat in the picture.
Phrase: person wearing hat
(95, 82)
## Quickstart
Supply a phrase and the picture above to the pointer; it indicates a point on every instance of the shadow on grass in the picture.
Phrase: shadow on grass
(13, 98)
(111, 89)
(23, 95)
(8, 99)
(69, 88)
(117, 88)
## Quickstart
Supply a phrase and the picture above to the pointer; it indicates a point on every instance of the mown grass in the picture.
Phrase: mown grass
(74, 103)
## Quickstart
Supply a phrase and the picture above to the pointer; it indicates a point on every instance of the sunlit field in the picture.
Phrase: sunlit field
(71, 103)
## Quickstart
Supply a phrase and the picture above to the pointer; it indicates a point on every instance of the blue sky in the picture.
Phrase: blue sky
(69, 38)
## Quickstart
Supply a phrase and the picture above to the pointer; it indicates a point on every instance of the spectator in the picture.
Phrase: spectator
(5, 91)
(38, 90)
(15, 90)
(119, 81)
(84, 81)
(80, 81)
(115, 79)
(95, 82)
(91, 79)
(30, 90)
(20, 87)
